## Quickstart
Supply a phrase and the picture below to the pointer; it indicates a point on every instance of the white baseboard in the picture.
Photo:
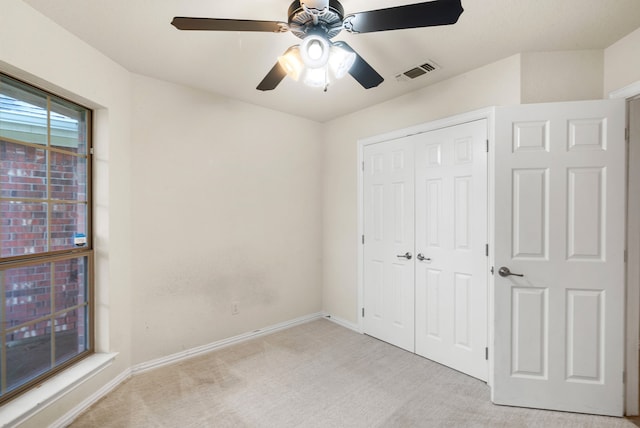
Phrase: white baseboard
(170, 359)
(68, 418)
(342, 322)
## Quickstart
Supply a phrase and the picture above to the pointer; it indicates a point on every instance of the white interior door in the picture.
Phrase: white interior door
(389, 242)
(451, 239)
(559, 222)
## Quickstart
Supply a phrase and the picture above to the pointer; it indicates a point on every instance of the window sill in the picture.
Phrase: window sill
(29, 403)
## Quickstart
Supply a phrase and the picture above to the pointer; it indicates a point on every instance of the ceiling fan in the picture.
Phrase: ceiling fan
(317, 59)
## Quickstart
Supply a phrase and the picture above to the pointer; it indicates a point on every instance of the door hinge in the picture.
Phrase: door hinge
(626, 134)
(625, 256)
(486, 250)
(491, 270)
(362, 239)
(362, 312)
(91, 151)
(486, 354)
(624, 377)
(362, 166)
(487, 146)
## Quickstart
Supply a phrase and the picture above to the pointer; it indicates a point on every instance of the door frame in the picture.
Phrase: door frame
(632, 318)
(485, 113)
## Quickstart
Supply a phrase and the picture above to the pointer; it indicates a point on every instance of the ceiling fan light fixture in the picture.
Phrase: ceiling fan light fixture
(317, 22)
(316, 77)
(315, 51)
(292, 62)
(335, 63)
(341, 61)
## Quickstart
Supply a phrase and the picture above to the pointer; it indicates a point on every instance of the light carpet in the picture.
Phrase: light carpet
(314, 375)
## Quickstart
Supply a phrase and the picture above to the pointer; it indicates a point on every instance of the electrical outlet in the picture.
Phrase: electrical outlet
(234, 308)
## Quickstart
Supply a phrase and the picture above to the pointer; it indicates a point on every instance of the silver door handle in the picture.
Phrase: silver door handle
(505, 272)
(422, 258)
(406, 255)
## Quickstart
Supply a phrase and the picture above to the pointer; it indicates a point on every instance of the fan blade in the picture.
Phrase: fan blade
(427, 14)
(273, 78)
(214, 24)
(361, 70)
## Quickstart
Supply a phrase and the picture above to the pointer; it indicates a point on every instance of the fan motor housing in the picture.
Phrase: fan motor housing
(329, 23)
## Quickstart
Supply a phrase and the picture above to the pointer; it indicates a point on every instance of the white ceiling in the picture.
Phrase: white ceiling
(138, 35)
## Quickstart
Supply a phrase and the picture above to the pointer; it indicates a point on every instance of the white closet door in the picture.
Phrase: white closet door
(560, 221)
(389, 242)
(451, 238)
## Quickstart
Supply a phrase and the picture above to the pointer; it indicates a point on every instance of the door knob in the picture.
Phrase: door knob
(406, 255)
(422, 258)
(505, 272)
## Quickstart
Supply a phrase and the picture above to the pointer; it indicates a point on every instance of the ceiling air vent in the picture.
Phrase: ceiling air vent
(417, 71)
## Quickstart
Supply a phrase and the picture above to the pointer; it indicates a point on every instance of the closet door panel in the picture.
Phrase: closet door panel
(389, 242)
(451, 238)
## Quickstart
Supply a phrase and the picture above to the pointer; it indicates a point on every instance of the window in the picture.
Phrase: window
(46, 258)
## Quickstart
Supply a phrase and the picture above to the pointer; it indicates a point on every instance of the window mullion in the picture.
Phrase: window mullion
(48, 174)
(52, 318)
(52, 314)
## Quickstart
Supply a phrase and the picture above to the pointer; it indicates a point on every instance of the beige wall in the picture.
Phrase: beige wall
(562, 76)
(494, 84)
(622, 63)
(52, 58)
(202, 201)
(217, 186)
(226, 208)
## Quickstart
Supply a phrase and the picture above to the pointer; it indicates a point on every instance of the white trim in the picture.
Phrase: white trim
(70, 416)
(491, 174)
(632, 392)
(343, 323)
(627, 92)
(30, 403)
(359, 238)
(632, 355)
(173, 358)
(458, 119)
